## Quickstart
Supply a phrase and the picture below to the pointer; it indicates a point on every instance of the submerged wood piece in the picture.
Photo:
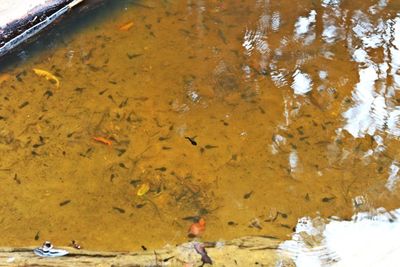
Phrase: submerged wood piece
(246, 251)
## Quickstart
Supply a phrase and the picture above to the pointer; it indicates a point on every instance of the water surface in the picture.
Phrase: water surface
(293, 107)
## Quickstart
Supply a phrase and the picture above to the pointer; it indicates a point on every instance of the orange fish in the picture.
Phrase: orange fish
(197, 228)
(126, 26)
(4, 78)
(103, 140)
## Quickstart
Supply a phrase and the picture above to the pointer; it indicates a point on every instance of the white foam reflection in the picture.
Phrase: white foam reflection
(323, 74)
(373, 108)
(393, 50)
(360, 55)
(304, 27)
(330, 3)
(257, 38)
(293, 160)
(302, 83)
(370, 34)
(393, 176)
(371, 111)
(359, 117)
(275, 21)
(373, 44)
(366, 240)
(304, 24)
(334, 23)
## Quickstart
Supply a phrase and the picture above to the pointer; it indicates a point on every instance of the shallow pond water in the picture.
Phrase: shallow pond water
(249, 114)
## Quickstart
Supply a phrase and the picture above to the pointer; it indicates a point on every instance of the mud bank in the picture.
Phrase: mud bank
(246, 251)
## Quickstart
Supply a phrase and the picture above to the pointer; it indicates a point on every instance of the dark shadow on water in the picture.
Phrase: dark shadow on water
(78, 19)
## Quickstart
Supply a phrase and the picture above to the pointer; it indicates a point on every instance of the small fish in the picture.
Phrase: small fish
(200, 248)
(47, 75)
(143, 189)
(103, 140)
(47, 250)
(197, 228)
(126, 26)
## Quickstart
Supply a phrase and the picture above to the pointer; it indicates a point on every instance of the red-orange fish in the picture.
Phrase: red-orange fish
(103, 140)
(126, 26)
(4, 77)
(198, 228)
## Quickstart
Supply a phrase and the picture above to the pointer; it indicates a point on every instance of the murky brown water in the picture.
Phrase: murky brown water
(294, 106)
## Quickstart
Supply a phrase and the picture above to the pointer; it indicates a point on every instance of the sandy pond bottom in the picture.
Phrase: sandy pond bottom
(248, 114)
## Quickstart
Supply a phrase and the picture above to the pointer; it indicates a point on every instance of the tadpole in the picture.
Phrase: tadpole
(65, 202)
(18, 181)
(191, 140)
(161, 169)
(24, 104)
(328, 199)
(248, 195)
(37, 235)
(119, 209)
